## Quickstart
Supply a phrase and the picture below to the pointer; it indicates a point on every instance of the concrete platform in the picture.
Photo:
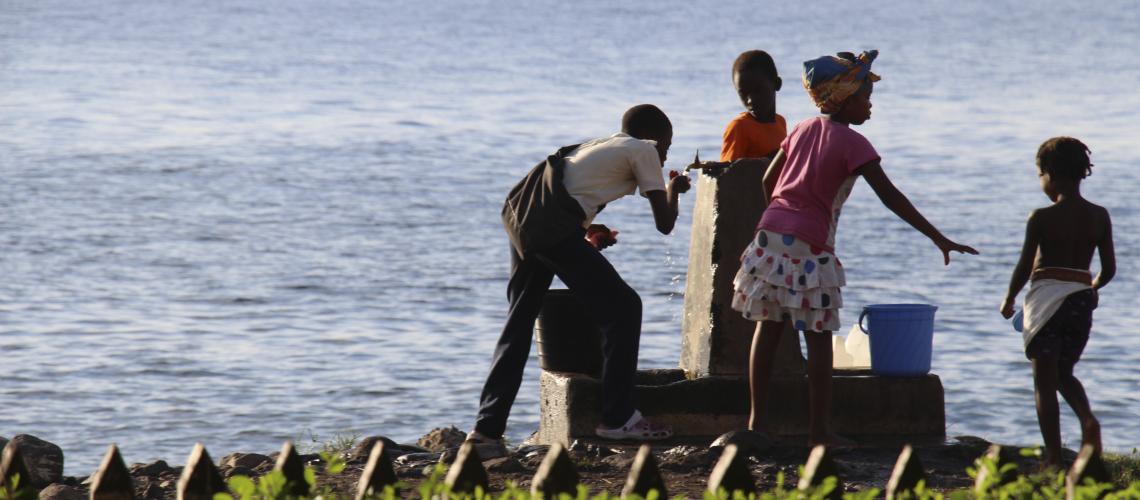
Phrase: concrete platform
(863, 405)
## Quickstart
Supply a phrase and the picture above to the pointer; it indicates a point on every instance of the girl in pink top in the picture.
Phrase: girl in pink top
(790, 271)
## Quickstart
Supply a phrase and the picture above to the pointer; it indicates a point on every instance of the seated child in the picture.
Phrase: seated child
(790, 272)
(1059, 243)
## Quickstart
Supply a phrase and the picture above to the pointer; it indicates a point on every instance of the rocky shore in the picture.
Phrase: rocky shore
(603, 466)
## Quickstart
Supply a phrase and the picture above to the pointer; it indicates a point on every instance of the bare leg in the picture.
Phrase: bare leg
(819, 390)
(1074, 394)
(1048, 414)
(760, 363)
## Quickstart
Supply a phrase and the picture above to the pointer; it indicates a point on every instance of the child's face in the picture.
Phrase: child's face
(1047, 185)
(857, 109)
(757, 91)
(663, 142)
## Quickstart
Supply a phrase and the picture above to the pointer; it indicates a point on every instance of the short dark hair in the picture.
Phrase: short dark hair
(645, 121)
(1064, 157)
(755, 60)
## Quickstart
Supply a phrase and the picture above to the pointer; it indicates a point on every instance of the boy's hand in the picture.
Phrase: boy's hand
(601, 237)
(1007, 307)
(947, 246)
(679, 184)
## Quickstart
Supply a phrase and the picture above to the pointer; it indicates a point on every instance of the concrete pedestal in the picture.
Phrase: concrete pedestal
(715, 339)
(863, 405)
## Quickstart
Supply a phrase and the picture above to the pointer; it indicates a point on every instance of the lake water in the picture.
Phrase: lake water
(241, 222)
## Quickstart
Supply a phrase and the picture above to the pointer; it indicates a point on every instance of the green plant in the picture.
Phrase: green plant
(13, 491)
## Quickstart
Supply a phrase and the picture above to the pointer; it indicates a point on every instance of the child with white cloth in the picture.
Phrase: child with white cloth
(1059, 243)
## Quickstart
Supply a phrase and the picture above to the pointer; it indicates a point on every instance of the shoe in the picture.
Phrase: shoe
(638, 427)
(487, 447)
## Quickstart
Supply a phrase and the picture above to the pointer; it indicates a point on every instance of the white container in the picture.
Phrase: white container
(858, 347)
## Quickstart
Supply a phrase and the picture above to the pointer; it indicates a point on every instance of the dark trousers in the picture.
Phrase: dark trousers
(613, 304)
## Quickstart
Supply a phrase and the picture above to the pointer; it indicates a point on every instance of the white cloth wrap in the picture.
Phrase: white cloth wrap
(1042, 301)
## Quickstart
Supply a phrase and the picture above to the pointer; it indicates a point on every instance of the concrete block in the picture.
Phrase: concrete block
(715, 338)
(862, 405)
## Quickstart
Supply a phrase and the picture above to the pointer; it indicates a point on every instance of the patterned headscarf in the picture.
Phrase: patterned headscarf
(830, 80)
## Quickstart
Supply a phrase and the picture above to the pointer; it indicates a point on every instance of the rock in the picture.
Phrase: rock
(731, 473)
(820, 466)
(752, 443)
(556, 476)
(44, 459)
(154, 469)
(535, 449)
(152, 491)
(644, 476)
(363, 449)
(292, 466)
(581, 449)
(467, 472)
(441, 439)
(504, 465)
(60, 491)
(244, 460)
(621, 461)
(415, 458)
(378, 474)
(229, 472)
(687, 458)
(200, 479)
(908, 472)
(112, 481)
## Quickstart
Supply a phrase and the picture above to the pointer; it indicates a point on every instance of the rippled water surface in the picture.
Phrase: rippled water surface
(241, 222)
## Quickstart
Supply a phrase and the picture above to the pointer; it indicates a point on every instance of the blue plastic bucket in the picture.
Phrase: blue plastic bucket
(902, 338)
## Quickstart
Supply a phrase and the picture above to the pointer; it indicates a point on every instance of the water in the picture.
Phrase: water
(244, 222)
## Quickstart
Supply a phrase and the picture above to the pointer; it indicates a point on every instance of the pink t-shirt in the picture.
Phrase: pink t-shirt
(819, 171)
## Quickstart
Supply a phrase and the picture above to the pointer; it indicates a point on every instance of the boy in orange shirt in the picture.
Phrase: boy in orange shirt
(754, 135)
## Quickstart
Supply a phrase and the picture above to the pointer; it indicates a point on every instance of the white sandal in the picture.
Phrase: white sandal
(637, 427)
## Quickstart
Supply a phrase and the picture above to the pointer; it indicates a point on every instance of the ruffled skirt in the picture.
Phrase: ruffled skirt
(785, 278)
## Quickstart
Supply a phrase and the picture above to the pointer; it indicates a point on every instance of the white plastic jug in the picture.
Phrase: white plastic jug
(858, 347)
(839, 356)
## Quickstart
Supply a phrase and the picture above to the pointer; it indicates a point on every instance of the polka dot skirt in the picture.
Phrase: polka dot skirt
(783, 277)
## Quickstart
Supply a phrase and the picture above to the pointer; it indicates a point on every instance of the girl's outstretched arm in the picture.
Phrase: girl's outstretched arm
(1024, 266)
(901, 206)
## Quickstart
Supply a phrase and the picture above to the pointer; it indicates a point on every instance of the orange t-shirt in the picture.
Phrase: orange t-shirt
(747, 138)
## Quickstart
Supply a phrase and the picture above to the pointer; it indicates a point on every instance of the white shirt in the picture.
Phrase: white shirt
(608, 168)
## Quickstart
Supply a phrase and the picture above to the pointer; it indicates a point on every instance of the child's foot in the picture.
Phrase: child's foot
(487, 447)
(637, 427)
(1090, 433)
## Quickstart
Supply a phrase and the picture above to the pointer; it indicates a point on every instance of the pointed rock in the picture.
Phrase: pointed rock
(556, 474)
(752, 443)
(378, 473)
(1006, 469)
(820, 466)
(289, 463)
(43, 459)
(113, 480)
(1088, 465)
(644, 476)
(467, 472)
(908, 472)
(200, 479)
(731, 473)
(14, 472)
